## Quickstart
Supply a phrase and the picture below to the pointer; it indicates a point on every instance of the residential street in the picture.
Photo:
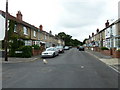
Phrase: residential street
(73, 69)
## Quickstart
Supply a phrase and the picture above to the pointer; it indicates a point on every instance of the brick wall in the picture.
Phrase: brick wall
(106, 52)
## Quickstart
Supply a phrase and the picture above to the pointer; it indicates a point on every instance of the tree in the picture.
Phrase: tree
(68, 39)
(84, 41)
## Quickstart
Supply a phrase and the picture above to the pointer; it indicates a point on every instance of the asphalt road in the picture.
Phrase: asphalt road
(73, 69)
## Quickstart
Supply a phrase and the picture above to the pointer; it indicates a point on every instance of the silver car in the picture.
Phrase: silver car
(60, 49)
(50, 52)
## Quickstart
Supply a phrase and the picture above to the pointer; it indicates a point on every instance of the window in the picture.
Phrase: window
(34, 33)
(45, 37)
(25, 30)
(15, 29)
(28, 42)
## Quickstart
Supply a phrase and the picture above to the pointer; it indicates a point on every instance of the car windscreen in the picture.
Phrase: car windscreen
(50, 49)
(59, 47)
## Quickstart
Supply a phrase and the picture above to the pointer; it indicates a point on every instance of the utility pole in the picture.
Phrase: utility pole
(6, 31)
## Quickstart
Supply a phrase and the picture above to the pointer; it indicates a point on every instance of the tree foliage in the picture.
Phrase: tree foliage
(68, 39)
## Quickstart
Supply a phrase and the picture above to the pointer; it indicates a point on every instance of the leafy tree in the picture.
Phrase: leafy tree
(68, 39)
(84, 41)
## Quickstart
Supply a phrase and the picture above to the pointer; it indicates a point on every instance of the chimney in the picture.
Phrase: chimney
(50, 32)
(89, 36)
(97, 30)
(107, 24)
(19, 15)
(92, 34)
(41, 28)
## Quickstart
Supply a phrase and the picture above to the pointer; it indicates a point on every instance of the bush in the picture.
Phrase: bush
(118, 50)
(26, 52)
(104, 48)
(36, 47)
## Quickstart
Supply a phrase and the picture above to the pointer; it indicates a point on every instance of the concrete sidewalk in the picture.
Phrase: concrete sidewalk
(18, 60)
(113, 62)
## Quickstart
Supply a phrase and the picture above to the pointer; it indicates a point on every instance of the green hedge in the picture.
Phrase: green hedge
(104, 48)
(118, 50)
(26, 52)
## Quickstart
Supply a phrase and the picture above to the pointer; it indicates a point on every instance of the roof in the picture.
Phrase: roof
(25, 23)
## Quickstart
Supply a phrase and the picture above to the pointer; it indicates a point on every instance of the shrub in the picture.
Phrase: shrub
(14, 45)
(104, 48)
(118, 50)
(26, 51)
(36, 47)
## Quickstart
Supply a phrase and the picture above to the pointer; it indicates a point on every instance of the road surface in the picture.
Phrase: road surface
(73, 69)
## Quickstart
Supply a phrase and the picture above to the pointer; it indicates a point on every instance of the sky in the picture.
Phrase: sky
(78, 18)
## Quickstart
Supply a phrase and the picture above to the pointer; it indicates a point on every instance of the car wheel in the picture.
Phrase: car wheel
(53, 54)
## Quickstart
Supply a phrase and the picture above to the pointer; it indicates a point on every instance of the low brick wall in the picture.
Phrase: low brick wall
(97, 49)
(112, 52)
(36, 52)
(106, 52)
(116, 54)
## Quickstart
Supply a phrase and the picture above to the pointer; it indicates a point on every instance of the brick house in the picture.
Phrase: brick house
(29, 33)
(108, 37)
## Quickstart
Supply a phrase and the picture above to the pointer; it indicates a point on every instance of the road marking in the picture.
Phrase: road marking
(114, 69)
(82, 66)
(103, 62)
(45, 61)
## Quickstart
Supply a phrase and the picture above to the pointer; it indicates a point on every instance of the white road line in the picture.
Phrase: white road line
(104, 62)
(114, 69)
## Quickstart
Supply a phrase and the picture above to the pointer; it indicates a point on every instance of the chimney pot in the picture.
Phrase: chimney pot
(89, 36)
(41, 28)
(97, 30)
(107, 24)
(19, 15)
(92, 34)
(50, 32)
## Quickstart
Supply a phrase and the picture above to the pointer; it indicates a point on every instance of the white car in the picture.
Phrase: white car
(50, 52)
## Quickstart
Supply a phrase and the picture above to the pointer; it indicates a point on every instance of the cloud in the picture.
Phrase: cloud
(78, 18)
(77, 14)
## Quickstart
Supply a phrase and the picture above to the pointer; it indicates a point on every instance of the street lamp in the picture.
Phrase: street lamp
(6, 31)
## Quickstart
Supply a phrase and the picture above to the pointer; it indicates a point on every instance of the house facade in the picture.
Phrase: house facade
(30, 34)
(108, 37)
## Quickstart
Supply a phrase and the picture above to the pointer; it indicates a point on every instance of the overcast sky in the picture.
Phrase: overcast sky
(78, 18)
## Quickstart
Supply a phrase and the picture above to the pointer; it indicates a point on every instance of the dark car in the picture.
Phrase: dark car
(81, 48)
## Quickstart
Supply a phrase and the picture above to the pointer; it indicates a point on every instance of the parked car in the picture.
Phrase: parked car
(70, 47)
(66, 48)
(81, 48)
(60, 49)
(50, 52)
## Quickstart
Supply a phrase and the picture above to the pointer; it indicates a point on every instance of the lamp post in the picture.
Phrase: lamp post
(6, 31)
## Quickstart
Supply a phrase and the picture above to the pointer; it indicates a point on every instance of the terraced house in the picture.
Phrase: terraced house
(30, 34)
(109, 37)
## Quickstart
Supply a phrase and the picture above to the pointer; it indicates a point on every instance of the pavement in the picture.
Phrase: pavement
(20, 60)
(111, 62)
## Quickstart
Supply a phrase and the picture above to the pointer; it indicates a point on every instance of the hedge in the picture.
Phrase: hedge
(26, 52)
(104, 48)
